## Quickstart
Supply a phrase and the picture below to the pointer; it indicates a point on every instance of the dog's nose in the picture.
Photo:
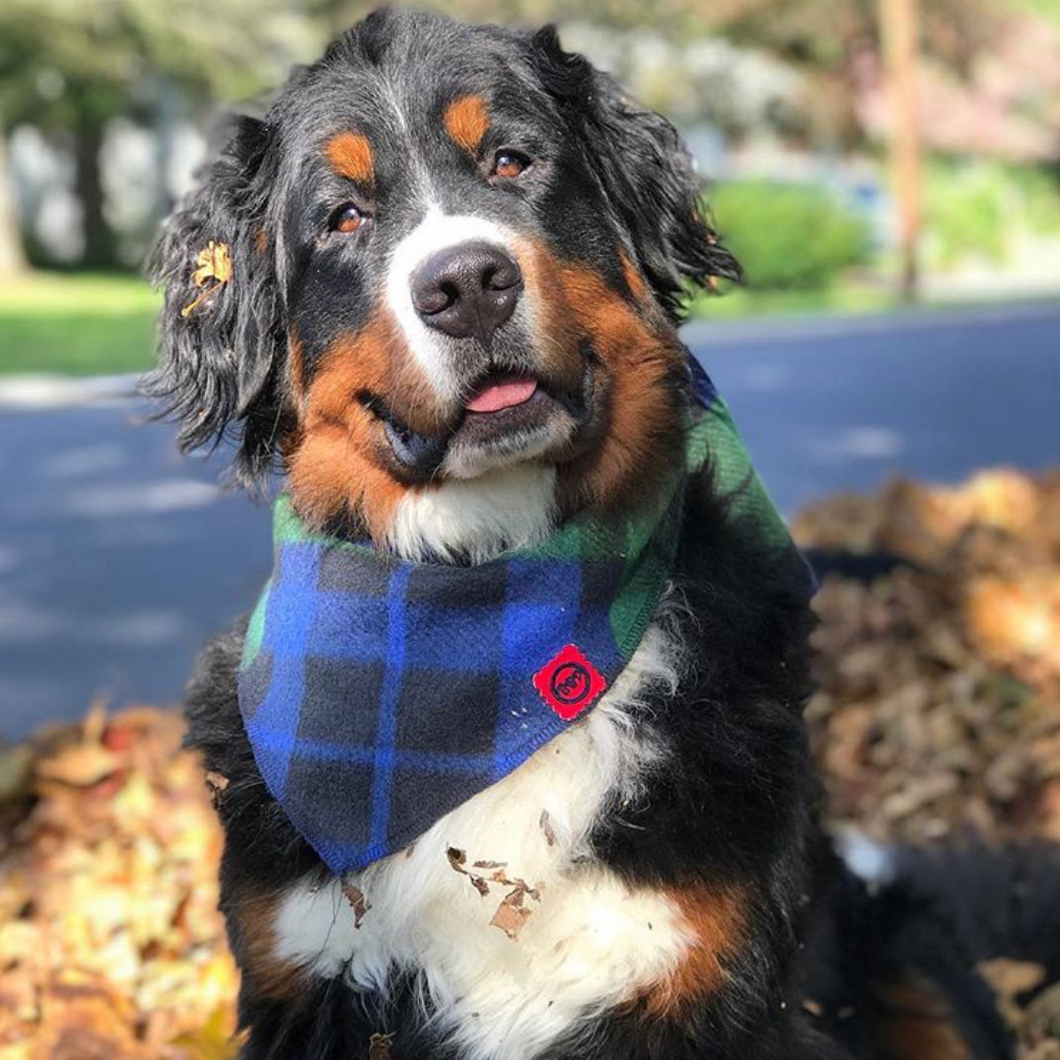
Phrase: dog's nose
(467, 291)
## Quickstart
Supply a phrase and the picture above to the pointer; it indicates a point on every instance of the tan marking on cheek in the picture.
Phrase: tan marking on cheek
(467, 122)
(337, 464)
(638, 365)
(716, 921)
(350, 155)
(271, 976)
(558, 353)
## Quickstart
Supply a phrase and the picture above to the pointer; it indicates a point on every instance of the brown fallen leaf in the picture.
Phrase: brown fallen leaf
(380, 1045)
(457, 860)
(217, 785)
(1009, 979)
(545, 821)
(214, 263)
(80, 766)
(511, 914)
(16, 767)
(505, 917)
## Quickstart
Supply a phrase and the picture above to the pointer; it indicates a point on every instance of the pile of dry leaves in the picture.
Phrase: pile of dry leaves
(938, 708)
(938, 705)
(111, 946)
(938, 712)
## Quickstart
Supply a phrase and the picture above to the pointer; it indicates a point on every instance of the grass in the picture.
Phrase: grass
(76, 324)
(740, 303)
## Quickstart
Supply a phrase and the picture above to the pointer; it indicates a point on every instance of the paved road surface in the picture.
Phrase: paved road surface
(117, 557)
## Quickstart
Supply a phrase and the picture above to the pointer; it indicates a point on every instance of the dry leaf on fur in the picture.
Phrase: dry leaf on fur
(545, 821)
(214, 264)
(511, 914)
(358, 903)
(379, 1047)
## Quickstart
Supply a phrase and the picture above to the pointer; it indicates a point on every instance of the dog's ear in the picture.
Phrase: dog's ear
(646, 171)
(221, 334)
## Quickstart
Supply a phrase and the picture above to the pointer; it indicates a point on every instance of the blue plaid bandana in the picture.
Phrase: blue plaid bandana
(379, 694)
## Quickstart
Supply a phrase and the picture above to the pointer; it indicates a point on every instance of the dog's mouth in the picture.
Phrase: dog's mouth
(506, 418)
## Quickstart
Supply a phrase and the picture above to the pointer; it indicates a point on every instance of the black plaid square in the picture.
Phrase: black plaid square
(412, 787)
(348, 694)
(418, 730)
(335, 791)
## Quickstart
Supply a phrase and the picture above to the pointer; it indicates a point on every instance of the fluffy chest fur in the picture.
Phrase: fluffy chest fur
(666, 833)
(591, 942)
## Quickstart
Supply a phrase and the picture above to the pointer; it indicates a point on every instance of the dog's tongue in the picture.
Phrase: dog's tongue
(502, 393)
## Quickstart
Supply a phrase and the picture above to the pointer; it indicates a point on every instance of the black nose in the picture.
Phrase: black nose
(467, 290)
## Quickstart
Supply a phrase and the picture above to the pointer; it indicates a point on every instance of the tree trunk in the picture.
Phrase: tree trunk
(100, 251)
(900, 22)
(12, 258)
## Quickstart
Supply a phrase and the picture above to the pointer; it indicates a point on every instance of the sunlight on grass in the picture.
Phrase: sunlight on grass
(739, 303)
(84, 324)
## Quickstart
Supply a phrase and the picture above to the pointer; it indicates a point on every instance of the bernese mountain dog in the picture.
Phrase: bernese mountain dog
(438, 285)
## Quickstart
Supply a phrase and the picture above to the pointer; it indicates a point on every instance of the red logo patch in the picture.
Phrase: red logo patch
(569, 683)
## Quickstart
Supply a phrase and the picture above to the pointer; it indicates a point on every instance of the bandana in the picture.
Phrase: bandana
(379, 694)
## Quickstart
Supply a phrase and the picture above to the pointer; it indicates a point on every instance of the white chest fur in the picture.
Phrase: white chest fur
(589, 943)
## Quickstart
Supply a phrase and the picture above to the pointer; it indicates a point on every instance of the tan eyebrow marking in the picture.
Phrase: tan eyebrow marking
(350, 155)
(467, 122)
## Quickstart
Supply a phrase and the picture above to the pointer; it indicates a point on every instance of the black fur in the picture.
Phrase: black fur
(646, 171)
(737, 806)
(616, 175)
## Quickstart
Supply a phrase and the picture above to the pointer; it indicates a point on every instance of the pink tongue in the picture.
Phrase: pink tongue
(504, 394)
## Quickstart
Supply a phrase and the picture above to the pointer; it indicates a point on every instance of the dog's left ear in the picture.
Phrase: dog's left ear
(646, 171)
(221, 341)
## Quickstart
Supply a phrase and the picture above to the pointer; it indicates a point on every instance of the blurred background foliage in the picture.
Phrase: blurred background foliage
(786, 104)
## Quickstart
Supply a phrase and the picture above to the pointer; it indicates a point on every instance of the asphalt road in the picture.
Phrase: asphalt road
(117, 557)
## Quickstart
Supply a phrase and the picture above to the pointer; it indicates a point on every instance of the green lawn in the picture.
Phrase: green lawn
(740, 303)
(83, 324)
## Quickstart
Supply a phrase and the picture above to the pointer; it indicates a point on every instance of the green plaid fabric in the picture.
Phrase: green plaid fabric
(378, 694)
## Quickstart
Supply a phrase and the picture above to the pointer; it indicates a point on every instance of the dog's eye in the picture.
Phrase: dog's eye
(348, 218)
(509, 164)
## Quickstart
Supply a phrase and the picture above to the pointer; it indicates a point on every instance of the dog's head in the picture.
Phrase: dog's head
(458, 255)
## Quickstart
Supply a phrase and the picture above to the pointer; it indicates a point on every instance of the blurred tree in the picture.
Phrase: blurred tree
(820, 38)
(73, 67)
(900, 24)
(12, 260)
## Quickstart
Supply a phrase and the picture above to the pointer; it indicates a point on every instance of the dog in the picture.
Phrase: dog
(438, 286)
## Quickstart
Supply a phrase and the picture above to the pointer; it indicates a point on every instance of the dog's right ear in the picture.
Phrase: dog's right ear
(221, 337)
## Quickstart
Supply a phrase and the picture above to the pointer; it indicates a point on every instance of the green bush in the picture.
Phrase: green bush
(788, 236)
(975, 208)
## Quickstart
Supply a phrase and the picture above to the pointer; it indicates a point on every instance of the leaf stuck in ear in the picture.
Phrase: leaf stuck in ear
(215, 263)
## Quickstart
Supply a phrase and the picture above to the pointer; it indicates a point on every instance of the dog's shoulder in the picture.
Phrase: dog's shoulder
(261, 843)
(211, 701)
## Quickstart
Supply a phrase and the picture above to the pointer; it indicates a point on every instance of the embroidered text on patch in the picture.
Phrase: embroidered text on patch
(569, 683)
